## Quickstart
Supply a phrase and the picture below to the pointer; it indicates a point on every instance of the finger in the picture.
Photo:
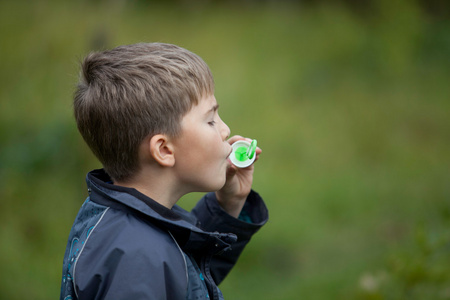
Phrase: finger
(235, 138)
(231, 171)
(258, 152)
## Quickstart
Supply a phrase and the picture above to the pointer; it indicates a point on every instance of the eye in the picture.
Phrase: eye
(212, 123)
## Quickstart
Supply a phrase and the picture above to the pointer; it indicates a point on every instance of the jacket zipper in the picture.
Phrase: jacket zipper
(210, 284)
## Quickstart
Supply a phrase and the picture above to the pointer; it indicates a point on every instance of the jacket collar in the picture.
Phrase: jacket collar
(100, 184)
(176, 220)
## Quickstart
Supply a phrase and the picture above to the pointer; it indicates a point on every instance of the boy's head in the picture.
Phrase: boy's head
(130, 92)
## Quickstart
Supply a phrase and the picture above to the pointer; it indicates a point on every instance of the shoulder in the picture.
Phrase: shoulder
(124, 249)
(129, 234)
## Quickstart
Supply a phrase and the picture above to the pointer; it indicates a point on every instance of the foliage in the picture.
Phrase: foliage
(351, 111)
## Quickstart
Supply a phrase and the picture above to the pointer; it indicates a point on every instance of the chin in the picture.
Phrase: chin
(215, 185)
(212, 187)
(219, 185)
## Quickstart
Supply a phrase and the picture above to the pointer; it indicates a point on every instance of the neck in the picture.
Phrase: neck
(158, 185)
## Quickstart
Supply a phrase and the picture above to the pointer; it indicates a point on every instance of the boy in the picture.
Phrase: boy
(148, 113)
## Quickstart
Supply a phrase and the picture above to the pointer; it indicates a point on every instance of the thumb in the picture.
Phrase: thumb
(231, 171)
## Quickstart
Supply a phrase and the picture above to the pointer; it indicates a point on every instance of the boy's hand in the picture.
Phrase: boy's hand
(238, 185)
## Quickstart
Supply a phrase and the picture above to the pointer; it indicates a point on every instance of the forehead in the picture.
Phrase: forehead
(206, 104)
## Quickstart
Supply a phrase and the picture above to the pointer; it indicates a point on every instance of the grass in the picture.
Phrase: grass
(351, 111)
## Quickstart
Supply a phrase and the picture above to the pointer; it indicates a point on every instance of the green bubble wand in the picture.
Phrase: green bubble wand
(243, 154)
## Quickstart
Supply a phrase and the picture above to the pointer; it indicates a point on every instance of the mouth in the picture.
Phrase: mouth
(231, 151)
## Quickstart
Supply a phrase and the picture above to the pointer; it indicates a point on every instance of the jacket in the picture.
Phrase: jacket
(124, 245)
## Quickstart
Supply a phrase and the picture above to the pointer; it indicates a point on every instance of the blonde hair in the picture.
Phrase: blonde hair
(133, 91)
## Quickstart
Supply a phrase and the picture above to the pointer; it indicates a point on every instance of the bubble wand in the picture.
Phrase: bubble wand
(243, 154)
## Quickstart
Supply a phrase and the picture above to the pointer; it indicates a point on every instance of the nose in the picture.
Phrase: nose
(225, 131)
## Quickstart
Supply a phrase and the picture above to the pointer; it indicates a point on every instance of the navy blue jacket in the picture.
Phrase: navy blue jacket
(124, 245)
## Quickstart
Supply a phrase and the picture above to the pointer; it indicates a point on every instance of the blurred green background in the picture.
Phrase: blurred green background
(350, 102)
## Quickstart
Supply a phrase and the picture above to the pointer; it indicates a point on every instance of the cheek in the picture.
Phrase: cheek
(214, 164)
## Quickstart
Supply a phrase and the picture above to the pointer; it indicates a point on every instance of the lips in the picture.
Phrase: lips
(231, 151)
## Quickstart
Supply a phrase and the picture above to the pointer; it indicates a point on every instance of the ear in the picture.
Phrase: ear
(162, 150)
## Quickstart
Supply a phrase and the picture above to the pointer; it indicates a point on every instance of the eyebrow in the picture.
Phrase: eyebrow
(213, 109)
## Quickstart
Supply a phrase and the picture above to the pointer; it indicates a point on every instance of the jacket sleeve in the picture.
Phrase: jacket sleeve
(211, 217)
(123, 261)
